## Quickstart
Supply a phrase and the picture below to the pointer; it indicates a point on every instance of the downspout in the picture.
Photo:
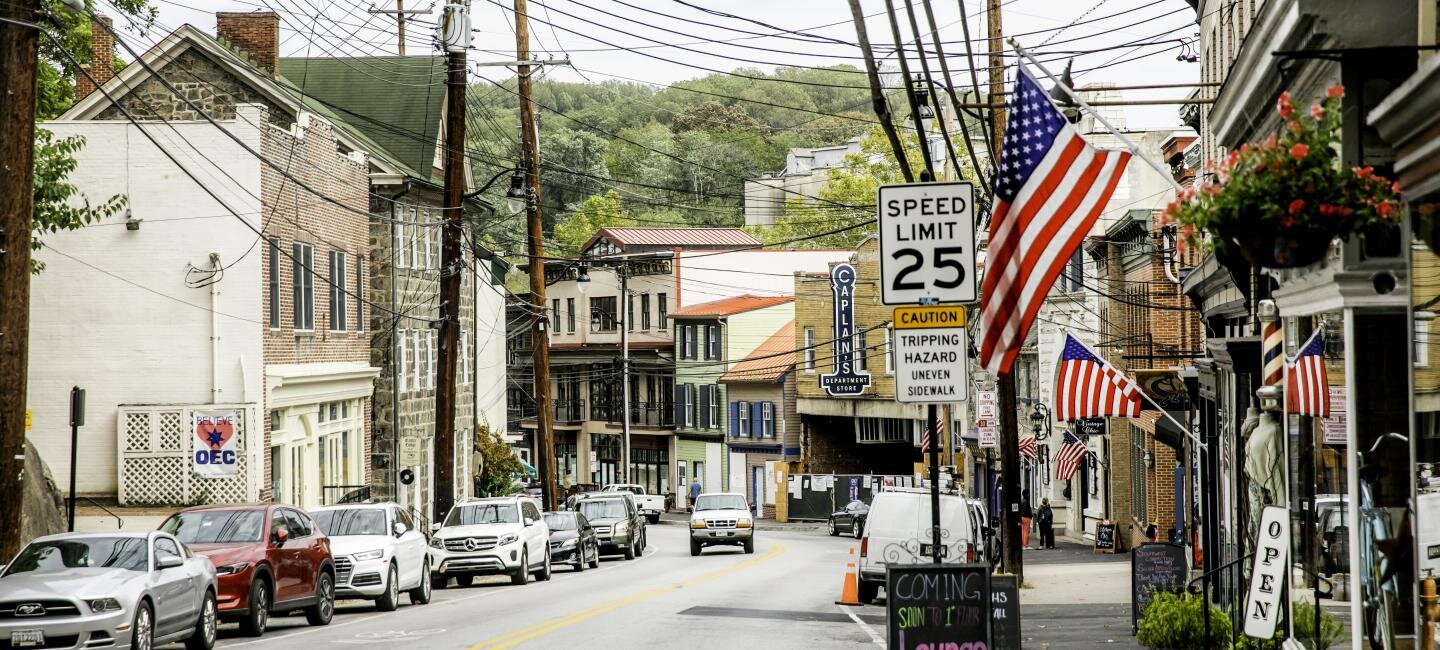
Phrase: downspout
(215, 330)
(395, 350)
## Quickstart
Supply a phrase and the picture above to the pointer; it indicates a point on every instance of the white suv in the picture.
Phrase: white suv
(502, 535)
(378, 553)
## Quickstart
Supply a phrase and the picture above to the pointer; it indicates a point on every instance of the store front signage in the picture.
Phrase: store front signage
(845, 381)
(1267, 576)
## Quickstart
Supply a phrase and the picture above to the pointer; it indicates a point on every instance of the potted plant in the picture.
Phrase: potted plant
(1282, 201)
(1177, 621)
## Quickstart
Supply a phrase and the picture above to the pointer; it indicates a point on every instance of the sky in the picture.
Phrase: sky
(663, 41)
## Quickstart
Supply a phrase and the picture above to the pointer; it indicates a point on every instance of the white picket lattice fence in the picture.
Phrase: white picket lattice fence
(157, 447)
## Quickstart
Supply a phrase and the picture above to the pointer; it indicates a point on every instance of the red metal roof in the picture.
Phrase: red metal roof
(633, 240)
(728, 306)
(770, 360)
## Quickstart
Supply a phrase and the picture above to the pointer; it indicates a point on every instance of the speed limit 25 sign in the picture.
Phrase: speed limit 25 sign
(927, 243)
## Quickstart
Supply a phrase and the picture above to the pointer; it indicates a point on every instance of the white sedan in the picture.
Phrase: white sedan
(378, 553)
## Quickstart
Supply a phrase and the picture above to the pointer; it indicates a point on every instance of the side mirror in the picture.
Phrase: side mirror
(529, 522)
(168, 561)
(281, 535)
(400, 529)
(434, 528)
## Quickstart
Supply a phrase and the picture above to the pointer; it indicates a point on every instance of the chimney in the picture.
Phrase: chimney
(102, 59)
(257, 33)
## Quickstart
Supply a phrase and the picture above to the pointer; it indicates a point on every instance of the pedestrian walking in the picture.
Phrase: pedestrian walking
(694, 493)
(1046, 519)
(1026, 515)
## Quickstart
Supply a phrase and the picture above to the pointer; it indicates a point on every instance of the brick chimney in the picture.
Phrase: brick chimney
(256, 32)
(102, 59)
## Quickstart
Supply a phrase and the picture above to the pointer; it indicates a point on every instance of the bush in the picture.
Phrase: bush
(1331, 630)
(1178, 621)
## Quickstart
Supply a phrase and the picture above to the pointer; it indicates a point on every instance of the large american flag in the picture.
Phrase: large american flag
(1050, 188)
(1068, 459)
(1087, 386)
(1307, 388)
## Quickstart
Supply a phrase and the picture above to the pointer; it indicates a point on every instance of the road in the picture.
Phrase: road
(781, 596)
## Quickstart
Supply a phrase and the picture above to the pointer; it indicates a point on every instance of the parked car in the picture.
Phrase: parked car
(572, 501)
(107, 589)
(721, 518)
(618, 524)
(499, 535)
(572, 540)
(989, 542)
(897, 530)
(649, 505)
(1331, 529)
(378, 553)
(850, 519)
(269, 559)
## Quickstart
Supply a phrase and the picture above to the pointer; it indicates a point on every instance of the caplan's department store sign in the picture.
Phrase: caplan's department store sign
(845, 381)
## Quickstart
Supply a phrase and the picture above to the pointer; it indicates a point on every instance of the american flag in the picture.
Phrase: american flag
(1027, 447)
(1068, 459)
(1087, 386)
(1307, 389)
(1049, 190)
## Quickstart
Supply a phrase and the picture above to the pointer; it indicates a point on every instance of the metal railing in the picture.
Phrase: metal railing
(335, 494)
(570, 410)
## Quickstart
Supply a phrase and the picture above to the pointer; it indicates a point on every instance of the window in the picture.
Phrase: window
(417, 360)
(1074, 272)
(337, 291)
(397, 247)
(429, 243)
(320, 417)
(430, 359)
(884, 430)
(712, 344)
(767, 427)
(889, 351)
(1422, 343)
(630, 312)
(743, 410)
(555, 315)
(715, 401)
(334, 410)
(809, 349)
(304, 281)
(275, 282)
(862, 353)
(603, 313)
(402, 370)
(570, 315)
(688, 391)
(464, 358)
(690, 332)
(660, 311)
(645, 311)
(359, 295)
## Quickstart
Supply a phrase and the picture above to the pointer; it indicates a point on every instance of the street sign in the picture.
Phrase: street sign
(927, 243)
(985, 419)
(931, 354)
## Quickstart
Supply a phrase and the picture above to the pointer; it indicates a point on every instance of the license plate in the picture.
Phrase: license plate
(926, 550)
(27, 638)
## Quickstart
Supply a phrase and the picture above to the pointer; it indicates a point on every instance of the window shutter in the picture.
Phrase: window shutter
(757, 416)
(680, 405)
(705, 407)
(735, 419)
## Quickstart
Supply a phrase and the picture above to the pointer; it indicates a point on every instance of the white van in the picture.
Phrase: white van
(898, 531)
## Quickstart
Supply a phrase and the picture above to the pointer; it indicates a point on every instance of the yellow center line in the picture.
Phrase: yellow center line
(563, 621)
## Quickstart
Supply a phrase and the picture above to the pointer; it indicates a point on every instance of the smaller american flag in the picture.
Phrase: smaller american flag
(1027, 447)
(1067, 460)
(925, 441)
(1087, 386)
(1307, 388)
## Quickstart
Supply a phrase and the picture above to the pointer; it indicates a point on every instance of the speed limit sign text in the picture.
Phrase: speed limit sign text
(927, 243)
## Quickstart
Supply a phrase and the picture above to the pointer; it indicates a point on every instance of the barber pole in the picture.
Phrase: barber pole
(1272, 357)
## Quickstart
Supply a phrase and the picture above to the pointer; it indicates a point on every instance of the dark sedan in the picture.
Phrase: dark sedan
(572, 540)
(850, 519)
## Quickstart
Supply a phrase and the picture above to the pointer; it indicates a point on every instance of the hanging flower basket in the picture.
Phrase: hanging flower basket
(1281, 202)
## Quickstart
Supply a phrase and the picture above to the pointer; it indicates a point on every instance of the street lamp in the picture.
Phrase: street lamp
(922, 102)
(515, 197)
(1040, 420)
(582, 279)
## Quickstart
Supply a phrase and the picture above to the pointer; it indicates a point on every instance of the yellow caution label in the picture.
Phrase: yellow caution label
(29, 419)
(929, 317)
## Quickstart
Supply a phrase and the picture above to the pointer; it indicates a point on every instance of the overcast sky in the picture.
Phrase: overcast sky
(667, 38)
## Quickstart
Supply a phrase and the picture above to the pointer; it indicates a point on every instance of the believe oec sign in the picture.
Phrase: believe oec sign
(938, 606)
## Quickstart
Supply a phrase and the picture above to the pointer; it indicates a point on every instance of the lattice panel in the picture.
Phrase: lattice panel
(220, 490)
(172, 431)
(155, 480)
(137, 431)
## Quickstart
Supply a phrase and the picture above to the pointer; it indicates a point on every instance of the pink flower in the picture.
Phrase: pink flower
(1296, 206)
(1270, 141)
(1317, 111)
(1335, 92)
(1300, 150)
(1395, 187)
(1385, 209)
(1284, 106)
(1363, 172)
(1287, 221)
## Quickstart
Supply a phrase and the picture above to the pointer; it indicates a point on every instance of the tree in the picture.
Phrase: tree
(714, 116)
(59, 205)
(55, 79)
(572, 169)
(501, 467)
(596, 212)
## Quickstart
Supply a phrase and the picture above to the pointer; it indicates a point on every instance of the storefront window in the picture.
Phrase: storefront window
(607, 459)
(651, 468)
(565, 463)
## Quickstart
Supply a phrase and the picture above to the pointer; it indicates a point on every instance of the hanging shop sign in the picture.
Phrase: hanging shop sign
(217, 443)
(845, 381)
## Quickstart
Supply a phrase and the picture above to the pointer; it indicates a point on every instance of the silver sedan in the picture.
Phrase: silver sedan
(127, 590)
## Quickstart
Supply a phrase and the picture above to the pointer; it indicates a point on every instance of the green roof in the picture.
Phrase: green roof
(394, 102)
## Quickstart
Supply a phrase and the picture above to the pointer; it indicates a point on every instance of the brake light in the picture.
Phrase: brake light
(969, 552)
(865, 546)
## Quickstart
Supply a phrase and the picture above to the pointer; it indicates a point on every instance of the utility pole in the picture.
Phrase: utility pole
(401, 16)
(544, 416)
(624, 309)
(1009, 425)
(18, 58)
(456, 37)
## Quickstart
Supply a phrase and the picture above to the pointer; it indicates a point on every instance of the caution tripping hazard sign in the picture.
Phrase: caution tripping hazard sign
(931, 354)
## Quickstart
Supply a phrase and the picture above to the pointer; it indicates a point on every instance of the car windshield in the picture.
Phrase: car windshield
(484, 513)
(720, 502)
(560, 521)
(351, 521)
(216, 526)
(603, 509)
(90, 552)
(632, 489)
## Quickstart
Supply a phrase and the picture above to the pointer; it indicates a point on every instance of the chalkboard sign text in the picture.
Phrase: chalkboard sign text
(939, 607)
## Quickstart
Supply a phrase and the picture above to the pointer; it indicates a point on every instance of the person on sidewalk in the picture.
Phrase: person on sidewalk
(1046, 519)
(1026, 515)
(694, 493)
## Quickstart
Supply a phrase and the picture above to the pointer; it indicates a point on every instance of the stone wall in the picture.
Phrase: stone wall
(200, 80)
(44, 510)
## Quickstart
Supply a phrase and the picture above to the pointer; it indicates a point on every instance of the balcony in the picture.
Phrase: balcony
(569, 411)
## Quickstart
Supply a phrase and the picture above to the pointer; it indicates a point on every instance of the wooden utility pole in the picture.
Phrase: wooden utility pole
(1009, 425)
(544, 415)
(401, 16)
(18, 58)
(451, 267)
(877, 94)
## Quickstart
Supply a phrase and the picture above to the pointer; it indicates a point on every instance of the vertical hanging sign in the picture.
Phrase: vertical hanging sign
(845, 380)
(216, 444)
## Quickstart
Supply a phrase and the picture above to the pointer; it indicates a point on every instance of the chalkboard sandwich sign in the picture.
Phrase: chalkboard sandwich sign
(935, 606)
(1105, 537)
(1155, 567)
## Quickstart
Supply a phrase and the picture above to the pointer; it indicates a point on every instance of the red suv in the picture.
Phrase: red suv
(268, 558)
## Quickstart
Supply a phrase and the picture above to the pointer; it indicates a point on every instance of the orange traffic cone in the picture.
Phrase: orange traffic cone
(850, 590)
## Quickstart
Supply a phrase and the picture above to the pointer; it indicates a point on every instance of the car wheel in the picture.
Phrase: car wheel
(595, 557)
(580, 560)
(833, 532)
(420, 595)
(546, 570)
(694, 548)
(654, 519)
(465, 580)
(439, 581)
(856, 528)
(868, 591)
(324, 608)
(522, 576)
(203, 638)
(630, 549)
(388, 601)
(143, 635)
(750, 545)
(255, 622)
